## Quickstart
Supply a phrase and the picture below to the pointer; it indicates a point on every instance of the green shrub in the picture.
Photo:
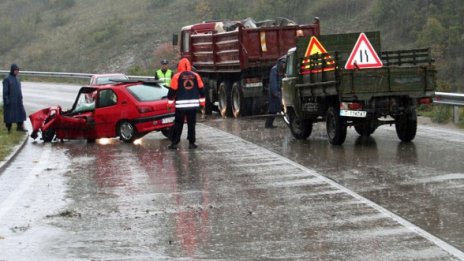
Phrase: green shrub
(441, 114)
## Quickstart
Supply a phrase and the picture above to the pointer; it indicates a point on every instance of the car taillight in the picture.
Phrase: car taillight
(425, 101)
(144, 109)
(351, 106)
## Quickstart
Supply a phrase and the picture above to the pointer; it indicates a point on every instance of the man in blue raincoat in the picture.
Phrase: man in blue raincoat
(13, 108)
(275, 91)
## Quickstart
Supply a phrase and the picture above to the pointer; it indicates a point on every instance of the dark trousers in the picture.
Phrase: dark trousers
(270, 120)
(20, 126)
(191, 115)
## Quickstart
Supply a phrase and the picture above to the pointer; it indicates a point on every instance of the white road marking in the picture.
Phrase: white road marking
(435, 240)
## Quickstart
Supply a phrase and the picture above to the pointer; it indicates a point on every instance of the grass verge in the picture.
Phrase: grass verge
(8, 140)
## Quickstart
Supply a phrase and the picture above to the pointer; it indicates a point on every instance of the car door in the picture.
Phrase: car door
(107, 113)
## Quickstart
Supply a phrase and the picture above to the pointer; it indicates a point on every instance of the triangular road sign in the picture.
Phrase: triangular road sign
(315, 47)
(363, 55)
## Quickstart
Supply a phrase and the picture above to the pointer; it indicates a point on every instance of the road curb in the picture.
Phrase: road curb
(8, 159)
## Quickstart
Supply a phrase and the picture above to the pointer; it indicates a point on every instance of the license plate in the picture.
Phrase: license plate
(357, 114)
(167, 120)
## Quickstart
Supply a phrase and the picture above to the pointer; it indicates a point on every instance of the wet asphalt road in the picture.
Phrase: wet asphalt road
(246, 194)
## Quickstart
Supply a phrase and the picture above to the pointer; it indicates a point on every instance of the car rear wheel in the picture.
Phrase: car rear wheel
(126, 131)
(166, 132)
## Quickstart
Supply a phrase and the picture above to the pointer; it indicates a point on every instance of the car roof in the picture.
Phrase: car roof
(123, 83)
(108, 74)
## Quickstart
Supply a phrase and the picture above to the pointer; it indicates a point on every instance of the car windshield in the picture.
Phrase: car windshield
(85, 102)
(144, 92)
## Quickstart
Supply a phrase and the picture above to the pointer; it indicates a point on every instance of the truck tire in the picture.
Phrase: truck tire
(209, 106)
(239, 104)
(225, 104)
(300, 129)
(336, 126)
(364, 129)
(406, 126)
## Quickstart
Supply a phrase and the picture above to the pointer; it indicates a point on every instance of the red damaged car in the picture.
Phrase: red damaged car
(128, 109)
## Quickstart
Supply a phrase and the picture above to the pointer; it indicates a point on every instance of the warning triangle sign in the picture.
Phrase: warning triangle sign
(315, 47)
(363, 55)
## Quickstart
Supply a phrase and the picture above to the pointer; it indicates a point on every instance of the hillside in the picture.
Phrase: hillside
(132, 36)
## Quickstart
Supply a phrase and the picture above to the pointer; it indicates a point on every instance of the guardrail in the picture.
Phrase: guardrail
(448, 98)
(53, 74)
(74, 75)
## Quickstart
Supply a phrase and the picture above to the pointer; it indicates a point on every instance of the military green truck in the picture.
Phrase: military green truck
(350, 83)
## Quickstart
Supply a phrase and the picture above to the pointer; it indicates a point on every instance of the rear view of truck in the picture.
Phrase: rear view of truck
(234, 59)
(354, 84)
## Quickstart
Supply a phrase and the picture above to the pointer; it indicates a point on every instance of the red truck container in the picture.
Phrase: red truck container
(235, 62)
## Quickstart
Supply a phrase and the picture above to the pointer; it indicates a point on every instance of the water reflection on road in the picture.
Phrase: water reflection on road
(421, 181)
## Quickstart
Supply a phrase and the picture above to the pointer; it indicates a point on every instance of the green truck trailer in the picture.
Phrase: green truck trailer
(345, 80)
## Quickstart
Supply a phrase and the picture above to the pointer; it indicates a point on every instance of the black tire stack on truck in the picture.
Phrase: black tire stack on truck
(332, 87)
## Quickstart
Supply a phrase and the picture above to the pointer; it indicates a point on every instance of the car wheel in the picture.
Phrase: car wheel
(166, 132)
(48, 135)
(126, 131)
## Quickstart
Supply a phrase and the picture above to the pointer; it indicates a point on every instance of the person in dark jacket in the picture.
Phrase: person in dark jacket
(13, 108)
(275, 91)
(188, 93)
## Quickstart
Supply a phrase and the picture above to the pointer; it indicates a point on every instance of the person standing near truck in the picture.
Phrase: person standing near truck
(188, 94)
(13, 110)
(164, 73)
(275, 91)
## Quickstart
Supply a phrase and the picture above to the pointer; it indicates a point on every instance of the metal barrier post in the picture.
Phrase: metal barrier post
(456, 114)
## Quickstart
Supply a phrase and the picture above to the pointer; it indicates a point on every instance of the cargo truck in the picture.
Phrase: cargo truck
(234, 59)
(349, 82)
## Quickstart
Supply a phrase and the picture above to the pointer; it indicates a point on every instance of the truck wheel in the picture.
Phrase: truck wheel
(406, 126)
(300, 129)
(364, 129)
(209, 106)
(48, 135)
(224, 99)
(336, 127)
(126, 131)
(238, 101)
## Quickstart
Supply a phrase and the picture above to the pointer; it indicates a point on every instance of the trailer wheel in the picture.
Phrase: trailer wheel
(364, 128)
(126, 131)
(48, 135)
(336, 126)
(300, 129)
(224, 99)
(238, 101)
(406, 126)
